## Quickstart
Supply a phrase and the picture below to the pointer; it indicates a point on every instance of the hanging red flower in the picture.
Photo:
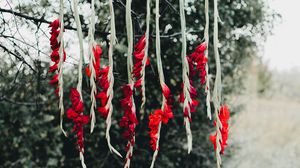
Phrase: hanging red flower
(129, 120)
(160, 116)
(102, 95)
(75, 113)
(97, 52)
(139, 55)
(198, 59)
(193, 103)
(55, 45)
(224, 116)
(197, 62)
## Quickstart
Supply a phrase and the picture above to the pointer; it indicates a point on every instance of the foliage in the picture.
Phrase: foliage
(29, 115)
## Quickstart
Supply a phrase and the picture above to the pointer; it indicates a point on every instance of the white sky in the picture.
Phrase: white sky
(282, 49)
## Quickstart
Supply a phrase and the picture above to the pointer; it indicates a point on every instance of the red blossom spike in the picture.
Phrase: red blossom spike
(129, 120)
(104, 85)
(141, 44)
(54, 80)
(55, 24)
(166, 91)
(75, 113)
(202, 47)
(160, 116)
(139, 68)
(224, 116)
(55, 54)
(53, 68)
(197, 62)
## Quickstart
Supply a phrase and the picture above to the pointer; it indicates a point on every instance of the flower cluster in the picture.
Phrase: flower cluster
(75, 113)
(224, 116)
(193, 103)
(55, 58)
(129, 120)
(97, 52)
(102, 80)
(139, 55)
(102, 96)
(161, 115)
(198, 59)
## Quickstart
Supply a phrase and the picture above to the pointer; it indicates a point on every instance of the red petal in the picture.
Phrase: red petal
(148, 61)
(103, 112)
(141, 44)
(55, 24)
(201, 47)
(53, 67)
(88, 71)
(166, 90)
(138, 83)
(54, 80)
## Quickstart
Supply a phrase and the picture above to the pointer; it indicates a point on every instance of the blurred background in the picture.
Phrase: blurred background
(260, 69)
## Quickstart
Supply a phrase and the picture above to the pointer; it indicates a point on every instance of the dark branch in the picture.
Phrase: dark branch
(20, 58)
(100, 33)
(42, 20)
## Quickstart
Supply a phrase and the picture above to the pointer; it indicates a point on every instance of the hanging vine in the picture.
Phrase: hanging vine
(91, 65)
(221, 112)
(142, 60)
(206, 37)
(129, 120)
(163, 114)
(60, 65)
(110, 78)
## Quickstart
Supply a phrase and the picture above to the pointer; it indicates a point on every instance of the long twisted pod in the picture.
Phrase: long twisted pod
(91, 65)
(60, 65)
(110, 91)
(206, 37)
(80, 38)
(217, 86)
(145, 59)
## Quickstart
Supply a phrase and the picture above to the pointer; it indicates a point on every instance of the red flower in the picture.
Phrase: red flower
(160, 116)
(103, 111)
(97, 52)
(198, 58)
(129, 120)
(166, 114)
(55, 24)
(139, 54)
(55, 45)
(54, 80)
(87, 71)
(102, 80)
(224, 116)
(75, 113)
(154, 120)
(192, 104)
(166, 91)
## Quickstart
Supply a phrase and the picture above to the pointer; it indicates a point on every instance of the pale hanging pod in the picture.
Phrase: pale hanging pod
(80, 64)
(217, 86)
(165, 107)
(206, 37)
(61, 65)
(110, 90)
(130, 80)
(91, 33)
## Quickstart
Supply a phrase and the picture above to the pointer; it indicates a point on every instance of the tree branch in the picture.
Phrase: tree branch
(101, 33)
(42, 20)
(18, 57)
